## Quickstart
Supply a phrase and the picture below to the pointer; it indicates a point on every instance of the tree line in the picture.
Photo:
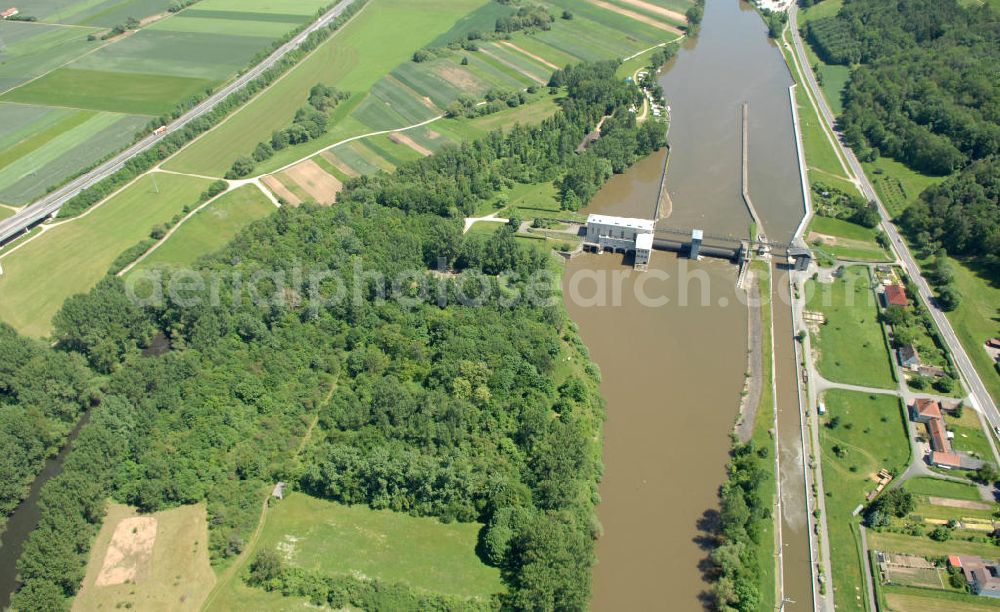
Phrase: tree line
(434, 407)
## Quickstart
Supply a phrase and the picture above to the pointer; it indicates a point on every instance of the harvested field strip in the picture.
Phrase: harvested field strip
(514, 75)
(649, 7)
(403, 139)
(324, 163)
(599, 21)
(493, 52)
(520, 50)
(339, 164)
(522, 61)
(637, 16)
(67, 123)
(290, 185)
(279, 190)
(316, 182)
(396, 153)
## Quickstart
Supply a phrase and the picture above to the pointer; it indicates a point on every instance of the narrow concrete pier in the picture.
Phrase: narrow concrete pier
(745, 177)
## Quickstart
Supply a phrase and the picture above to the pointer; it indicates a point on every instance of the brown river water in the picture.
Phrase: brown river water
(671, 342)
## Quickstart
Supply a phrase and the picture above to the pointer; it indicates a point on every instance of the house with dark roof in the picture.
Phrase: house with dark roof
(983, 576)
(908, 357)
(895, 295)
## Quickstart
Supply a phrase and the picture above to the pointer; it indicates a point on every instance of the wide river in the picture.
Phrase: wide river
(672, 342)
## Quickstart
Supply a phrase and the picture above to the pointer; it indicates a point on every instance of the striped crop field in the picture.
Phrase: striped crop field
(122, 82)
(48, 141)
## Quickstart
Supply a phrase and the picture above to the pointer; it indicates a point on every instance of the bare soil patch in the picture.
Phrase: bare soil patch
(156, 562)
(824, 238)
(339, 164)
(659, 10)
(433, 135)
(315, 181)
(130, 550)
(958, 503)
(272, 183)
(646, 19)
(462, 79)
(403, 139)
(537, 58)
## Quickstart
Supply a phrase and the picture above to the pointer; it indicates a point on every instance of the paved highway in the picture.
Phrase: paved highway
(978, 393)
(51, 203)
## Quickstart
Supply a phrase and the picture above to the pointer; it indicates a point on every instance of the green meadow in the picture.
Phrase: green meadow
(869, 434)
(850, 345)
(332, 539)
(211, 228)
(72, 256)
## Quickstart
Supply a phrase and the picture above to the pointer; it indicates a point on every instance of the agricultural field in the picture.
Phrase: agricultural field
(148, 562)
(114, 88)
(211, 228)
(333, 538)
(73, 255)
(392, 92)
(850, 346)
(859, 435)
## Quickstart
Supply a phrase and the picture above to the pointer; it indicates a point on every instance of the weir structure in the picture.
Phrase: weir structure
(641, 236)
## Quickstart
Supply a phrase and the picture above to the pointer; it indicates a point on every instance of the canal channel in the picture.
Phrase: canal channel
(671, 342)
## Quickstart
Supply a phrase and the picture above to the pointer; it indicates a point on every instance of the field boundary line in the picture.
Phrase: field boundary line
(656, 46)
(254, 98)
(347, 140)
(105, 43)
(171, 231)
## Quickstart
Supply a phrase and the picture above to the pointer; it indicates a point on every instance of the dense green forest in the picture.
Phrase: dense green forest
(451, 401)
(924, 91)
(42, 395)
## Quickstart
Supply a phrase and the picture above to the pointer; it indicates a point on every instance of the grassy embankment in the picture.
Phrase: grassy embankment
(825, 166)
(762, 438)
(72, 256)
(870, 435)
(850, 345)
